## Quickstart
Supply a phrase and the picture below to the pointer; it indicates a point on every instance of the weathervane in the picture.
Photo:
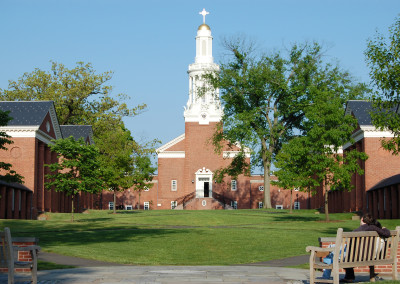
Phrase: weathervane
(204, 13)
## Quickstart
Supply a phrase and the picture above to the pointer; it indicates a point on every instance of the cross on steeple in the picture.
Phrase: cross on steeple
(204, 13)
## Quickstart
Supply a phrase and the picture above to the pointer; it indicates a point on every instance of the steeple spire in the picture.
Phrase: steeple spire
(205, 108)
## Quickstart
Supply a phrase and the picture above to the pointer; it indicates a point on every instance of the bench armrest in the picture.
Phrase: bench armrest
(319, 249)
(28, 248)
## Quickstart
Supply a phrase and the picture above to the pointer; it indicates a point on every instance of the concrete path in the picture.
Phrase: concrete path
(108, 273)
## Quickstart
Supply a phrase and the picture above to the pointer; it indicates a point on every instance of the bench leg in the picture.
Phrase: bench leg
(394, 272)
(372, 274)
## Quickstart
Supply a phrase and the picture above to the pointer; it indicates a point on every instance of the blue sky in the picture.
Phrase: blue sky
(149, 44)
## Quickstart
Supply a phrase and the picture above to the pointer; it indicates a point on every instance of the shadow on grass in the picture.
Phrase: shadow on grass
(295, 218)
(333, 231)
(99, 236)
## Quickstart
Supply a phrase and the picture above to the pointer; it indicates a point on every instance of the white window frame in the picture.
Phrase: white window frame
(261, 188)
(128, 207)
(260, 205)
(234, 204)
(296, 205)
(174, 204)
(278, 206)
(174, 185)
(233, 185)
(146, 205)
(146, 188)
(110, 205)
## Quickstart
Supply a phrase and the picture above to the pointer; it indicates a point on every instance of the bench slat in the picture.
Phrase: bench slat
(356, 249)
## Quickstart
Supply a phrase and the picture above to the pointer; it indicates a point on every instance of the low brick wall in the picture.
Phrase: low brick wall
(23, 255)
(325, 242)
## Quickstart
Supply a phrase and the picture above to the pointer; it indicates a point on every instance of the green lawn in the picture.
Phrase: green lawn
(166, 237)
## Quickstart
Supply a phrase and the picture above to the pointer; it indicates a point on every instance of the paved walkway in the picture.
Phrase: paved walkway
(107, 273)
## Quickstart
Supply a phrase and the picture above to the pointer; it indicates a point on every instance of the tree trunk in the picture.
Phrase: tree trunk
(267, 187)
(138, 206)
(115, 202)
(291, 201)
(73, 209)
(326, 201)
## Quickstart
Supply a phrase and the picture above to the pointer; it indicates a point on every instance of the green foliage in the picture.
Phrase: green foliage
(82, 97)
(78, 168)
(7, 174)
(265, 99)
(312, 160)
(383, 58)
(79, 94)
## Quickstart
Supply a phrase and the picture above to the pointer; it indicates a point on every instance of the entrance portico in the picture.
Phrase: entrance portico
(204, 183)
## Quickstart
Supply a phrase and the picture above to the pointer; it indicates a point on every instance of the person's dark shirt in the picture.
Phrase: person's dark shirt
(382, 232)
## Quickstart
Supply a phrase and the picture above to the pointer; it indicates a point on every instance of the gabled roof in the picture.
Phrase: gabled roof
(30, 113)
(78, 131)
(170, 143)
(29, 118)
(360, 110)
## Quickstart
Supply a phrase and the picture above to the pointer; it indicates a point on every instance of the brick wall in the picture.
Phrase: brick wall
(325, 242)
(23, 255)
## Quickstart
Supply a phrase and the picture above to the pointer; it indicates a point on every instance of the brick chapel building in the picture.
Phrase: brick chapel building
(34, 124)
(186, 164)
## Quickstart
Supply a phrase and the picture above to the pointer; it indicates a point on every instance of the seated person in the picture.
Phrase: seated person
(367, 223)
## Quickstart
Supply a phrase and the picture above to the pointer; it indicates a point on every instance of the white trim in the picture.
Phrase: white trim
(257, 181)
(172, 154)
(203, 175)
(174, 185)
(27, 132)
(170, 143)
(233, 185)
(174, 204)
(54, 120)
(368, 131)
(146, 204)
(232, 154)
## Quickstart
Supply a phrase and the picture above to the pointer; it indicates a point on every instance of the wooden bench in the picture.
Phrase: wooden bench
(9, 257)
(361, 249)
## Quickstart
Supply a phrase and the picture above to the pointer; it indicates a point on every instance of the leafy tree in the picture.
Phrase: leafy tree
(83, 97)
(265, 99)
(80, 95)
(78, 168)
(7, 174)
(142, 173)
(383, 58)
(123, 163)
(315, 159)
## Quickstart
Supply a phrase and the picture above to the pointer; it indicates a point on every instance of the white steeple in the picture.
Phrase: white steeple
(206, 108)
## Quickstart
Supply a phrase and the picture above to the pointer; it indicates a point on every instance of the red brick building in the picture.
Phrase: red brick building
(186, 164)
(377, 191)
(32, 128)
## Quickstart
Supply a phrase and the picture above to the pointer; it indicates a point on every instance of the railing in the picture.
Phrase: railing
(185, 199)
(222, 199)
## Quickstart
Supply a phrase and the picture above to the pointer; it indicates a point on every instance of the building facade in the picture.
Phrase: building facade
(187, 164)
(377, 191)
(34, 124)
